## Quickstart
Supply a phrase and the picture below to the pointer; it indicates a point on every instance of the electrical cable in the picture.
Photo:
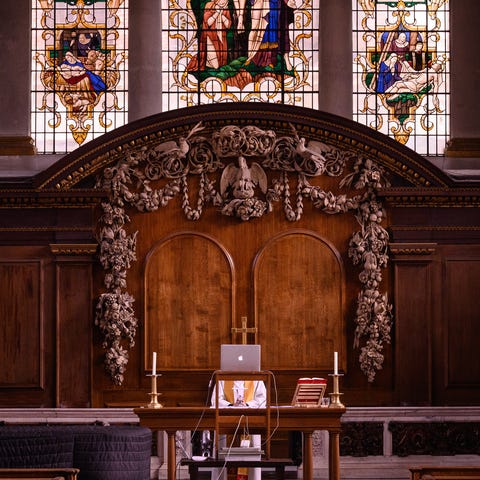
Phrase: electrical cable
(206, 403)
(227, 453)
(277, 424)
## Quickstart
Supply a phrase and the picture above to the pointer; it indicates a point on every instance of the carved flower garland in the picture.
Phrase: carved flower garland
(242, 154)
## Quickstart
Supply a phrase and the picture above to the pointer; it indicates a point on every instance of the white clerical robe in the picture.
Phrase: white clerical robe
(253, 395)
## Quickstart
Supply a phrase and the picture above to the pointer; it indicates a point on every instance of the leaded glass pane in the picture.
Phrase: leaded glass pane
(401, 80)
(79, 65)
(240, 50)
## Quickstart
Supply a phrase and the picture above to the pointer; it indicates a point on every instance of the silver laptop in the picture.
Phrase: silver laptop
(240, 358)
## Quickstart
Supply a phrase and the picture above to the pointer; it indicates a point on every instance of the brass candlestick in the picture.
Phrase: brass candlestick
(335, 395)
(154, 394)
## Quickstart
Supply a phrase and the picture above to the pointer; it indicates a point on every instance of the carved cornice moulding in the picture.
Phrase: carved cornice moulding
(432, 197)
(412, 248)
(73, 249)
(24, 198)
(436, 228)
(46, 229)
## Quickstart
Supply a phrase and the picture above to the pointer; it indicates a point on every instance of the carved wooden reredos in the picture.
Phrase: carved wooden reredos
(254, 210)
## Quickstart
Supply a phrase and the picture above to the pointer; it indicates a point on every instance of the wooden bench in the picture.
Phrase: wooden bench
(445, 473)
(39, 473)
(278, 464)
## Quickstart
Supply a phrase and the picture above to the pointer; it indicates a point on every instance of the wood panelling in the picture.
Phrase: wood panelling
(74, 331)
(299, 293)
(462, 318)
(27, 328)
(189, 301)
(455, 327)
(46, 322)
(412, 266)
(23, 323)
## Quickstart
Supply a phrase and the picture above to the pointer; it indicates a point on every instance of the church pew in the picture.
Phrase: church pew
(39, 473)
(99, 452)
(445, 473)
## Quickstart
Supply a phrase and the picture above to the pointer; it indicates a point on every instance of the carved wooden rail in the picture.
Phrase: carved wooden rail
(445, 473)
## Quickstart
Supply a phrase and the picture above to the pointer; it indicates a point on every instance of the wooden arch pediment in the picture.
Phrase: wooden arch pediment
(408, 168)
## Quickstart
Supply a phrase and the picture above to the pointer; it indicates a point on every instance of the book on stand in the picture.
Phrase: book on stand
(309, 392)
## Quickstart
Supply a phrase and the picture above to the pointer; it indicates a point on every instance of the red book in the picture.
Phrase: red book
(309, 392)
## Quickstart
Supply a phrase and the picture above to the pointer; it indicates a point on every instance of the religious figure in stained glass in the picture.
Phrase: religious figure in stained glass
(237, 44)
(268, 39)
(214, 21)
(403, 69)
(241, 50)
(79, 64)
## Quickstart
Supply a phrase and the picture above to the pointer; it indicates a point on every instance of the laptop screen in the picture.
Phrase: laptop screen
(240, 358)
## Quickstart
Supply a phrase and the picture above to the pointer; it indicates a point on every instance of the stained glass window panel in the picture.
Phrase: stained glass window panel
(240, 50)
(401, 79)
(79, 71)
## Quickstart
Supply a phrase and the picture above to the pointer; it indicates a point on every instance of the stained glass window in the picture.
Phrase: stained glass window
(240, 50)
(79, 65)
(401, 70)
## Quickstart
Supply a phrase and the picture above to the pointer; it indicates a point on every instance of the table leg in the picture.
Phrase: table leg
(307, 456)
(280, 472)
(193, 471)
(334, 455)
(171, 456)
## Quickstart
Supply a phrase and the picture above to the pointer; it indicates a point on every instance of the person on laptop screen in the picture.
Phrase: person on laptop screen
(240, 393)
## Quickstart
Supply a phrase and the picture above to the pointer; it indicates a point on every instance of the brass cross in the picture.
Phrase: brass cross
(244, 330)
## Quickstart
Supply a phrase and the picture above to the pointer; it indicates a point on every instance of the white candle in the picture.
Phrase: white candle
(335, 363)
(154, 363)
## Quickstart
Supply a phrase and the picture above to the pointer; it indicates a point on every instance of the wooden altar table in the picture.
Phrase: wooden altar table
(306, 420)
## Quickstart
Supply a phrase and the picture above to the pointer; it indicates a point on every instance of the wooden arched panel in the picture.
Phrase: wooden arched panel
(189, 301)
(299, 302)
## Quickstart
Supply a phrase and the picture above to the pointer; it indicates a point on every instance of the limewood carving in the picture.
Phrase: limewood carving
(241, 155)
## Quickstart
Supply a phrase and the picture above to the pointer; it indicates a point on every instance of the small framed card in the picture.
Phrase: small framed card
(309, 392)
